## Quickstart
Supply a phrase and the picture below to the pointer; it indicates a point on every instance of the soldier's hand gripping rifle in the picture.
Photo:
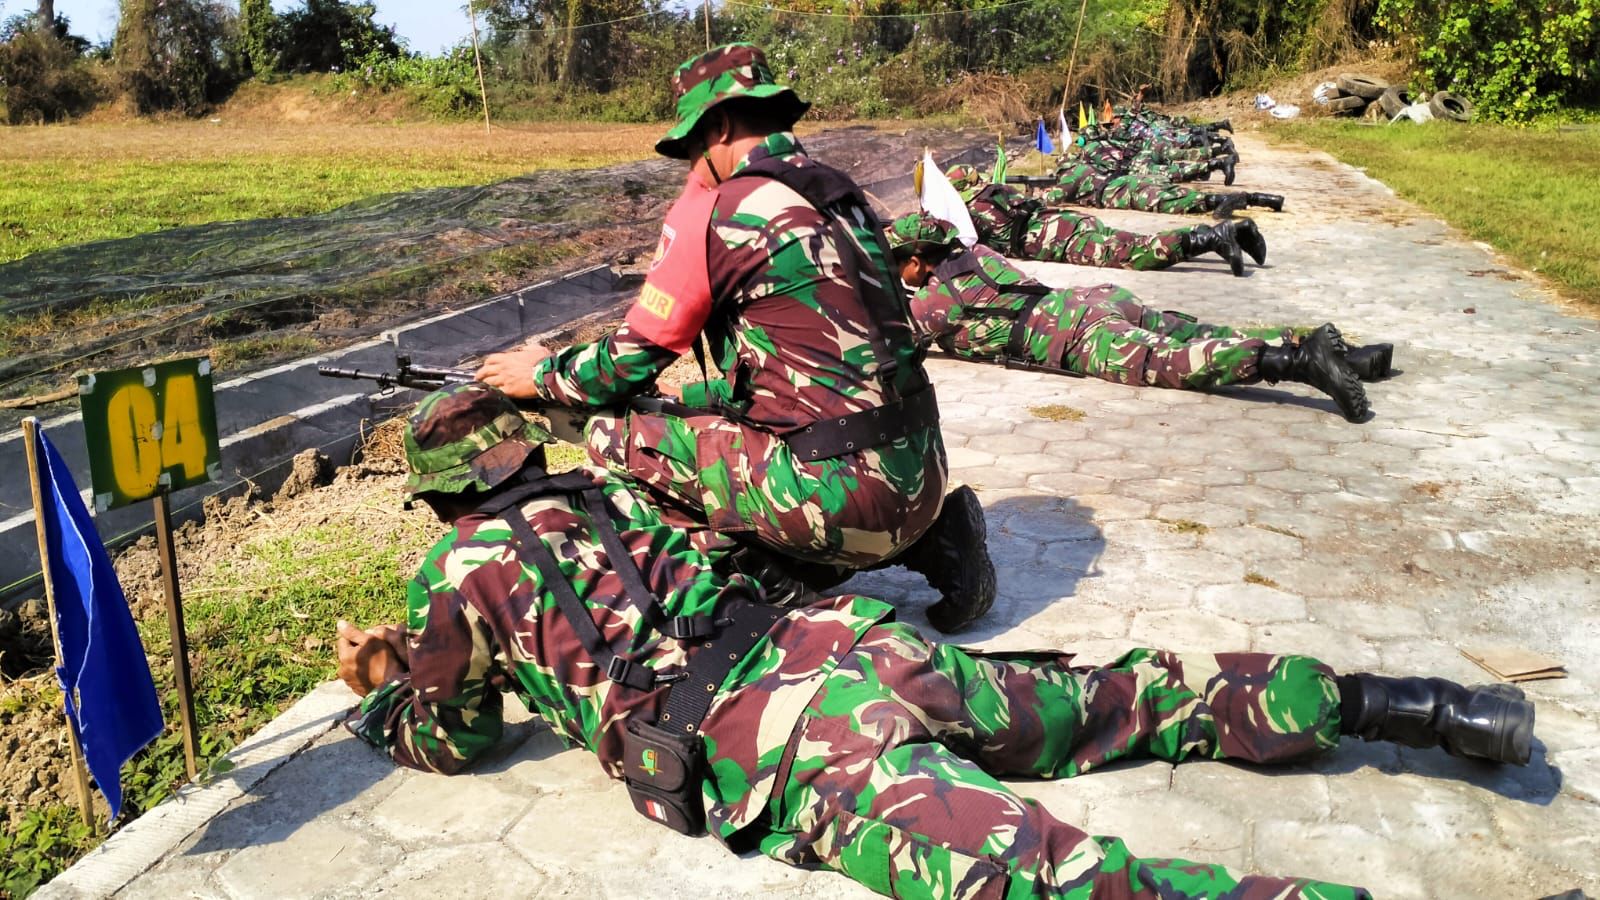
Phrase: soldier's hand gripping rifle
(566, 422)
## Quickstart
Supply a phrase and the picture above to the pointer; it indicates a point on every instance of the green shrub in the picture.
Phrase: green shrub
(42, 844)
(333, 36)
(444, 85)
(1517, 59)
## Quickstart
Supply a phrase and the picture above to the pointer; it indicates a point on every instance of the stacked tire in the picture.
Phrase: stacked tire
(1365, 95)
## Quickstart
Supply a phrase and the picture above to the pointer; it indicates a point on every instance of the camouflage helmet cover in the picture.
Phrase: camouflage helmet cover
(916, 231)
(719, 74)
(467, 437)
(964, 177)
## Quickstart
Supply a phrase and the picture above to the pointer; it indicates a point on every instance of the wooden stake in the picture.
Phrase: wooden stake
(80, 774)
(477, 57)
(180, 640)
(708, 24)
(1072, 64)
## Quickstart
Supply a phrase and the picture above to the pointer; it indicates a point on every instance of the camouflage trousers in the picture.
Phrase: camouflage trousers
(890, 776)
(1069, 237)
(852, 511)
(1152, 195)
(1157, 167)
(1118, 339)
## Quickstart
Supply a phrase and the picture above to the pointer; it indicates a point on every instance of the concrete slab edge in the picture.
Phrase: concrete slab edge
(148, 839)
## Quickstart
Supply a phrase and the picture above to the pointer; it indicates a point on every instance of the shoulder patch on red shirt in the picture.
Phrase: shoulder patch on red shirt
(676, 300)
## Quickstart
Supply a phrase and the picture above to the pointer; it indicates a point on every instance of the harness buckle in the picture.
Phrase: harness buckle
(690, 628)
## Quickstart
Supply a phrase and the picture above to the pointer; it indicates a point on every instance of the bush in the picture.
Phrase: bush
(442, 85)
(1517, 59)
(172, 54)
(43, 77)
(259, 37)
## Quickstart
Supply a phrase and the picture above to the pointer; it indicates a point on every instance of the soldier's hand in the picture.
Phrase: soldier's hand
(366, 662)
(397, 637)
(512, 371)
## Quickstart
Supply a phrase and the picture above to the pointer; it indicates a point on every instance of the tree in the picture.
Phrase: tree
(42, 74)
(258, 36)
(330, 35)
(172, 54)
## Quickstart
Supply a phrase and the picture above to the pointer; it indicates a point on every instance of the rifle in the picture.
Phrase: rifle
(566, 422)
(1032, 180)
(1028, 365)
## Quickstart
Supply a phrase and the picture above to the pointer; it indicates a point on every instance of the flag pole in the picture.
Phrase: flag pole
(477, 58)
(80, 775)
(180, 641)
(1072, 64)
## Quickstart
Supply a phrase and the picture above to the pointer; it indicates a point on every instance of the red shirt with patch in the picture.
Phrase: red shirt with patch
(676, 300)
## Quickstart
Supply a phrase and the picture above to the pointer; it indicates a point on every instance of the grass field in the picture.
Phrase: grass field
(71, 184)
(1532, 194)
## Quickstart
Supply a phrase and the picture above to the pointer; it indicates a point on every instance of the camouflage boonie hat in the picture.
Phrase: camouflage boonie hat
(964, 177)
(723, 73)
(916, 231)
(467, 437)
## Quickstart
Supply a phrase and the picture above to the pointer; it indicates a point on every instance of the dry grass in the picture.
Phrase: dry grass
(1056, 412)
(1258, 578)
(1186, 526)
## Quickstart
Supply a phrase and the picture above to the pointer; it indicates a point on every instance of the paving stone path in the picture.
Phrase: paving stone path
(1465, 512)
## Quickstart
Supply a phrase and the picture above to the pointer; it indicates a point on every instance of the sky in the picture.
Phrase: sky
(427, 25)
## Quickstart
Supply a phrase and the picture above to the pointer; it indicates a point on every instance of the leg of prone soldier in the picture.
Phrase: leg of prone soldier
(978, 306)
(823, 444)
(829, 736)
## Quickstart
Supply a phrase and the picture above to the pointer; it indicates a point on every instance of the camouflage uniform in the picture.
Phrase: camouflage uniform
(1083, 185)
(789, 328)
(1109, 156)
(1100, 331)
(1059, 235)
(840, 740)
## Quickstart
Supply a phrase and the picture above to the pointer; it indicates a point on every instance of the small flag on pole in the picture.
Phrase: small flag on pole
(1066, 133)
(998, 175)
(110, 697)
(940, 199)
(1041, 139)
(1083, 117)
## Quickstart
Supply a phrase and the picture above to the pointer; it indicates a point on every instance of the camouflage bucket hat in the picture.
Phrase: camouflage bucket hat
(964, 177)
(723, 73)
(467, 437)
(915, 231)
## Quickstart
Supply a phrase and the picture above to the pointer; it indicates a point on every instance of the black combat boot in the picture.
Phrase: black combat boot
(1371, 363)
(1245, 233)
(1273, 202)
(1318, 361)
(954, 556)
(1225, 165)
(1213, 239)
(1493, 722)
(1223, 206)
(1224, 125)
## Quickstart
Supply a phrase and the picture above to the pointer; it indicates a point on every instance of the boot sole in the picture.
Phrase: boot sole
(978, 580)
(1375, 367)
(1345, 389)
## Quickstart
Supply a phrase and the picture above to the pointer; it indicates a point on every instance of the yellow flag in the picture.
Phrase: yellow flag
(1083, 118)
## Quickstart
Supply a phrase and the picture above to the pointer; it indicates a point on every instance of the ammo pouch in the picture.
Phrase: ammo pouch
(662, 771)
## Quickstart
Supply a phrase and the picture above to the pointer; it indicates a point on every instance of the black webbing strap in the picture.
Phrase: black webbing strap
(618, 668)
(1017, 343)
(843, 435)
(684, 628)
(689, 700)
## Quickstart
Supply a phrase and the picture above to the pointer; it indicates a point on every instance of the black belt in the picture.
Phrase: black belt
(689, 700)
(1019, 233)
(843, 435)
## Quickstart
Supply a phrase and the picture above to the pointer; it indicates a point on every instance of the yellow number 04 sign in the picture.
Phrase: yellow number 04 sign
(150, 430)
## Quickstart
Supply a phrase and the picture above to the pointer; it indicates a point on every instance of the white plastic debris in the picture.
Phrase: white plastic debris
(1324, 92)
(1265, 101)
(1416, 112)
(1286, 111)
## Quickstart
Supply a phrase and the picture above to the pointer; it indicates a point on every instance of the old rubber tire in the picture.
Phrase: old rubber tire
(1347, 104)
(1452, 107)
(1363, 86)
(1394, 102)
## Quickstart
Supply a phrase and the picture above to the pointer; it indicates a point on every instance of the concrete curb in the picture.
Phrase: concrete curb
(146, 840)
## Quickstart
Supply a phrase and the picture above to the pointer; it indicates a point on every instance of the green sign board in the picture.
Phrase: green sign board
(150, 430)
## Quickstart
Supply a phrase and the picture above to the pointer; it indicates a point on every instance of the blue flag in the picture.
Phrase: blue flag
(111, 699)
(1041, 139)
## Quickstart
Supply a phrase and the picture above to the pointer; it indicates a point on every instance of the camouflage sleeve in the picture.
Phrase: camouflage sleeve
(617, 366)
(708, 394)
(933, 309)
(446, 710)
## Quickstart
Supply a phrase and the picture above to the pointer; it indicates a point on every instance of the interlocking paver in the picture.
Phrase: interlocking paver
(1488, 441)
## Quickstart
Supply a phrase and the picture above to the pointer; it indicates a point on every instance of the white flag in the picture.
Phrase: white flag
(1066, 133)
(941, 199)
